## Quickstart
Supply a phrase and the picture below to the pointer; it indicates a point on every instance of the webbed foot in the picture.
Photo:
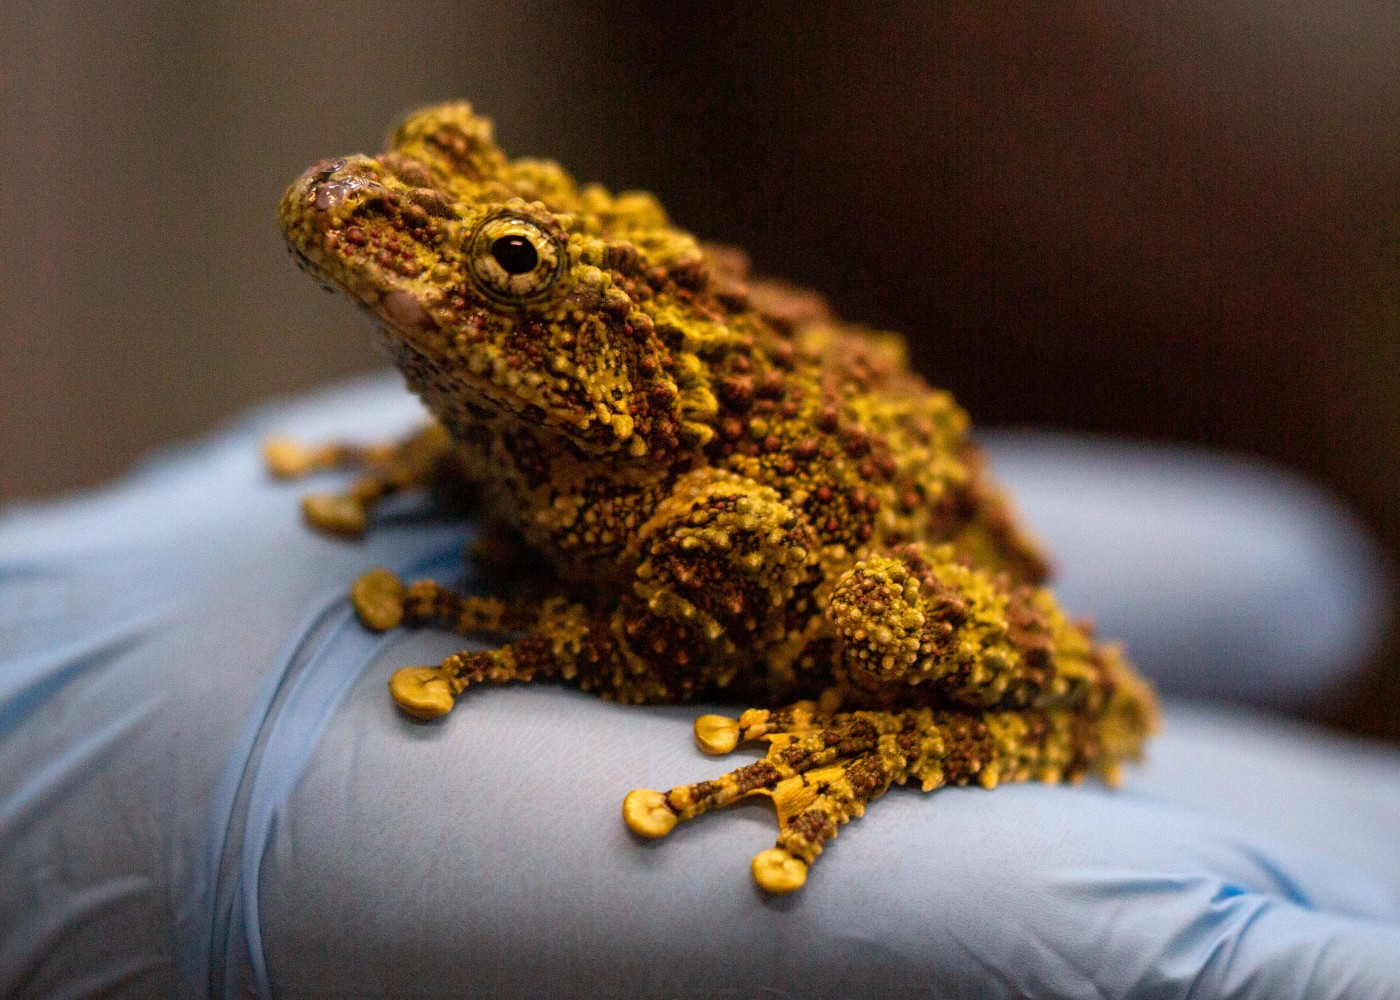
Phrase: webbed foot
(823, 768)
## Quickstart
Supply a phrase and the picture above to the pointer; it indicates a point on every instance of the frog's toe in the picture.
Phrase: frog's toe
(717, 734)
(648, 814)
(289, 459)
(378, 597)
(778, 871)
(423, 692)
(335, 514)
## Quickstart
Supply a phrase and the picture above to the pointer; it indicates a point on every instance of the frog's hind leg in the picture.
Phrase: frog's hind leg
(968, 678)
(822, 771)
(388, 469)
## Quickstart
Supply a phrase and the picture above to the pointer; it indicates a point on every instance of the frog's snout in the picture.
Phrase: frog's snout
(330, 182)
(321, 200)
(322, 169)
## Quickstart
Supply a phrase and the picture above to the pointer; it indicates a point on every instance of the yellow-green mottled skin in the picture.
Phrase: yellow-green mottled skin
(727, 487)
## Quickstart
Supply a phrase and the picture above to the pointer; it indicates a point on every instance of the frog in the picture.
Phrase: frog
(693, 484)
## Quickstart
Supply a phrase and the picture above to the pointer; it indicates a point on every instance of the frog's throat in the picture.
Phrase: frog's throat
(458, 395)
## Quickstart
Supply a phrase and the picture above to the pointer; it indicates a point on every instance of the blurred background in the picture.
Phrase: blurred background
(1173, 221)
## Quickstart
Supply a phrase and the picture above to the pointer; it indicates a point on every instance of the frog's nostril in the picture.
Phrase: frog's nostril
(322, 170)
(330, 182)
(327, 193)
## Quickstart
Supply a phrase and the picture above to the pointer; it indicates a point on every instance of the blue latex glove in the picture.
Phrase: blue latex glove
(204, 786)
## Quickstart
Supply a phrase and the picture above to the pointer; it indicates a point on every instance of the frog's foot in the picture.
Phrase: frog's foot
(383, 601)
(389, 469)
(822, 770)
(428, 692)
(552, 646)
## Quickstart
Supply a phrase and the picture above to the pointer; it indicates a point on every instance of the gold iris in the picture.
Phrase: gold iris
(514, 259)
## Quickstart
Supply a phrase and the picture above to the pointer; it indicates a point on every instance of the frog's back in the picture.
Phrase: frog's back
(831, 416)
(587, 354)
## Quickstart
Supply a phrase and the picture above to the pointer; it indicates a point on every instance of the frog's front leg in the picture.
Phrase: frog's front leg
(557, 635)
(715, 571)
(389, 468)
(560, 638)
(968, 678)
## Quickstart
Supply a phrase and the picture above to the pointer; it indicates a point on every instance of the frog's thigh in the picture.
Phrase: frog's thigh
(726, 552)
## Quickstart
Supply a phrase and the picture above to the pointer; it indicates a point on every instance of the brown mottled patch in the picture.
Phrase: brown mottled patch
(813, 826)
(759, 774)
(1028, 628)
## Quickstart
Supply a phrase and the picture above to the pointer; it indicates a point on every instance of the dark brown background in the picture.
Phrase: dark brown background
(1174, 220)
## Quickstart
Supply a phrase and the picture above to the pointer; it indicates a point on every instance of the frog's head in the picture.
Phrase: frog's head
(509, 293)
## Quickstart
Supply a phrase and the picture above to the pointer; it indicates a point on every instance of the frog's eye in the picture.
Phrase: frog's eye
(514, 259)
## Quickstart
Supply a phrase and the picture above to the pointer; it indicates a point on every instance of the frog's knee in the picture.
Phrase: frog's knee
(880, 619)
(915, 614)
(731, 556)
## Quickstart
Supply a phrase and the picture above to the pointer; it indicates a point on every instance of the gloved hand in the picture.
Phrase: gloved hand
(204, 784)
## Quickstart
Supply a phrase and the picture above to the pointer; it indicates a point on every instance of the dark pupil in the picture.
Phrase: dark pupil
(516, 254)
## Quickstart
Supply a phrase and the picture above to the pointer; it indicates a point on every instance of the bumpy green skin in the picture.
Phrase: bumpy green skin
(730, 488)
